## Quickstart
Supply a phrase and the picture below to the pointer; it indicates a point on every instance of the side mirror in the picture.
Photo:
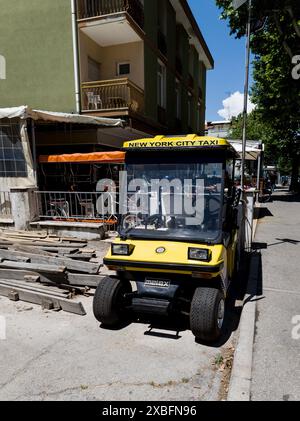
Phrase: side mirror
(236, 197)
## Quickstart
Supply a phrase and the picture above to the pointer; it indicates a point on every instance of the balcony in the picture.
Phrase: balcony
(100, 8)
(115, 97)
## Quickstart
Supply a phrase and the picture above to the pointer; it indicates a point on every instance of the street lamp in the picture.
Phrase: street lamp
(236, 5)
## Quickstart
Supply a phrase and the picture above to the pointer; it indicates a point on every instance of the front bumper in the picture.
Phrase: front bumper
(130, 265)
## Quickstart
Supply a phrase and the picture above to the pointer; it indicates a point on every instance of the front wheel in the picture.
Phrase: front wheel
(207, 314)
(110, 301)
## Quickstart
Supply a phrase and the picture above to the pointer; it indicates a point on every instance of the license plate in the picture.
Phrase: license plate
(158, 283)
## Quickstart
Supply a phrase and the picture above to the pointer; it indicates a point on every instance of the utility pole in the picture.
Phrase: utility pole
(246, 94)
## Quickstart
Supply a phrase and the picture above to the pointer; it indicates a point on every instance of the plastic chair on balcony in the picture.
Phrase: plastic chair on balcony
(90, 100)
(87, 205)
(98, 102)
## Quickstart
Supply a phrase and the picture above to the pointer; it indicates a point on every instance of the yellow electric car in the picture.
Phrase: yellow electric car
(176, 252)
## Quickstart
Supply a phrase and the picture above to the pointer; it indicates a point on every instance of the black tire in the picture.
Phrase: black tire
(204, 314)
(109, 301)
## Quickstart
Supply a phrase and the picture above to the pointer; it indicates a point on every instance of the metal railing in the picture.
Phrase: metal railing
(112, 95)
(94, 8)
(5, 205)
(75, 206)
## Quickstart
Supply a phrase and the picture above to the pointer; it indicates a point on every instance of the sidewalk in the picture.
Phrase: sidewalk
(276, 355)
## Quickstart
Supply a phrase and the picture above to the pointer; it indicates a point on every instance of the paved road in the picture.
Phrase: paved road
(276, 360)
(59, 356)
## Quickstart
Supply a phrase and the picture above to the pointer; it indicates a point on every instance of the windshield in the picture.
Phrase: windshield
(173, 200)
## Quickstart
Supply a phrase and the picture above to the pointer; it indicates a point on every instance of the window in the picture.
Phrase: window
(94, 70)
(178, 100)
(161, 85)
(198, 117)
(162, 17)
(123, 69)
(190, 110)
(12, 159)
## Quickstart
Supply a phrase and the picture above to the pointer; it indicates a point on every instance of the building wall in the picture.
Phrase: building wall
(108, 58)
(190, 65)
(171, 80)
(36, 41)
(203, 79)
(151, 20)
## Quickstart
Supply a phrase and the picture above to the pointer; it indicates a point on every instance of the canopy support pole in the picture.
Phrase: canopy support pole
(34, 150)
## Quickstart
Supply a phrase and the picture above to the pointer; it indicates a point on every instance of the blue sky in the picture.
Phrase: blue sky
(228, 53)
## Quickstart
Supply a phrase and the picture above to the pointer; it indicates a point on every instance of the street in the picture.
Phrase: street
(59, 356)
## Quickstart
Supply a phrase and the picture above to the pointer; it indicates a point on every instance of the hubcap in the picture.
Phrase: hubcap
(221, 312)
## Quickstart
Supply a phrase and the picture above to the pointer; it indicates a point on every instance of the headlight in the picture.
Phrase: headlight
(121, 249)
(199, 254)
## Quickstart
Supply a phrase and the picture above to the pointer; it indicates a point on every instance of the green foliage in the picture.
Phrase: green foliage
(275, 92)
(258, 129)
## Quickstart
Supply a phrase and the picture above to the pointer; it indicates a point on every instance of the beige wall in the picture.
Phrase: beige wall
(109, 57)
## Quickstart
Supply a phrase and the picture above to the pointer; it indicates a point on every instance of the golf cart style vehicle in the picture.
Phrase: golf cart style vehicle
(178, 234)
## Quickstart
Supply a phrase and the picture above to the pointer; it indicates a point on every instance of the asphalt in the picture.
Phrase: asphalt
(60, 356)
(276, 353)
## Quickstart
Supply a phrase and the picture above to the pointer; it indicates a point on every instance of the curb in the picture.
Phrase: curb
(241, 375)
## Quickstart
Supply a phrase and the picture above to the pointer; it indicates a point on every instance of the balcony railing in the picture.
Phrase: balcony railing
(112, 95)
(95, 8)
(79, 206)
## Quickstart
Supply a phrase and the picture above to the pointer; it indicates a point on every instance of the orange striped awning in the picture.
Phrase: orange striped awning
(115, 157)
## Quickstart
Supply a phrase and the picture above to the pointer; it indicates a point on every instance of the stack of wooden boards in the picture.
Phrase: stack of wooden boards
(45, 269)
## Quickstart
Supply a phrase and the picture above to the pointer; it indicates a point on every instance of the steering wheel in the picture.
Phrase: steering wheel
(130, 221)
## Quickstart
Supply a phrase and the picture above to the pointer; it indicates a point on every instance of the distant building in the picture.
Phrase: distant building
(218, 128)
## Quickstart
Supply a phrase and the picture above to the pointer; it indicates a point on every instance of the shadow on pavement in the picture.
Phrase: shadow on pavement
(248, 282)
(262, 246)
(260, 213)
(287, 197)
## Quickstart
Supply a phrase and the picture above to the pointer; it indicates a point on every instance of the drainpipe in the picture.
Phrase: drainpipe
(76, 56)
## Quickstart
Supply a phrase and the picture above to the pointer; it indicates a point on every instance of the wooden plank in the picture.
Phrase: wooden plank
(32, 287)
(6, 242)
(9, 255)
(82, 267)
(85, 257)
(44, 277)
(33, 266)
(91, 281)
(63, 250)
(30, 234)
(16, 274)
(73, 240)
(86, 250)
(38, 298)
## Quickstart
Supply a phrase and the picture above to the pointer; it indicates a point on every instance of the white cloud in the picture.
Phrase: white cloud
(233, 106)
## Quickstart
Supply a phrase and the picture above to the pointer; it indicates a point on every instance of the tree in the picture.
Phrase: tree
(258, 129)
(275, 92)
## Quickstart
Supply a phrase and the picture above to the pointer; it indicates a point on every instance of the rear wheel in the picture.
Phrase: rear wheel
(207, 313)
(109, 303)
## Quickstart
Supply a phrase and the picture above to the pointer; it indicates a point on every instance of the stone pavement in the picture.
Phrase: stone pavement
(276, 358)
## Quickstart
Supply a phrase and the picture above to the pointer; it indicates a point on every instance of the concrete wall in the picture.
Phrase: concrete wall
(36, 41)
(151, 22)
(108, 58)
